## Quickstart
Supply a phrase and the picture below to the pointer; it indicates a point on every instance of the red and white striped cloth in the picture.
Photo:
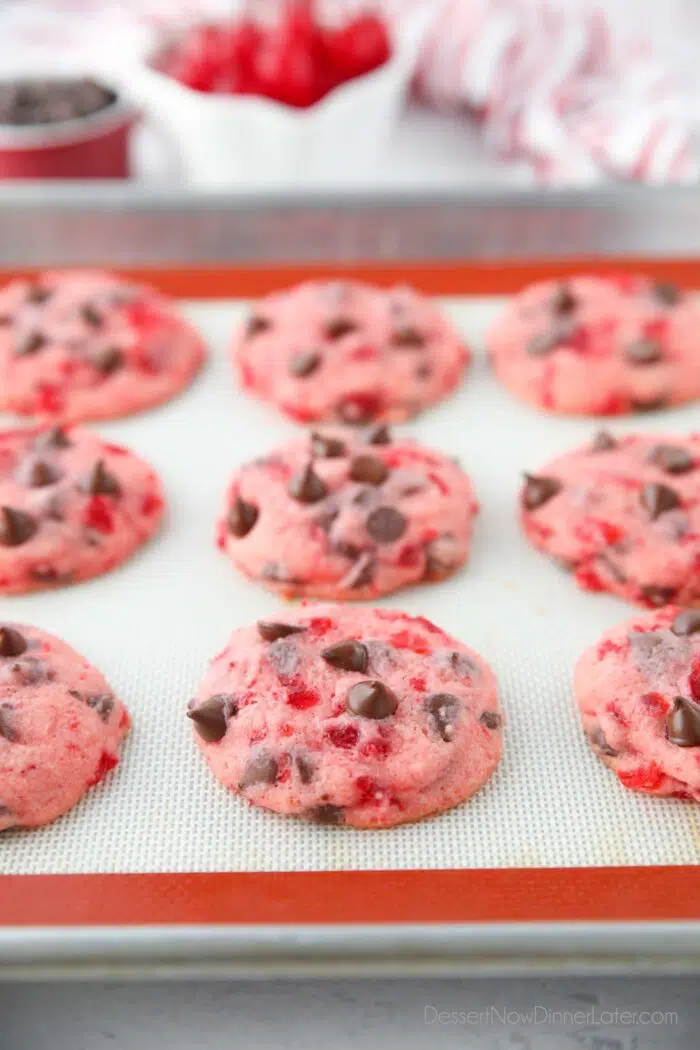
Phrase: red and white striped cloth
(558, 84)
(562, 84)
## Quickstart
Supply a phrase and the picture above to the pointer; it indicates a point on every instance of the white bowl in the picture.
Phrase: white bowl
(234, 140)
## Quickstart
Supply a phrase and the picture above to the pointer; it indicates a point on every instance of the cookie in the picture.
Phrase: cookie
(348, 352)
(623, 515)
(71, 506)
(349, 715)
(638, 691)
(87, 345)
(61, 727)
(342, 514)
(599, 346)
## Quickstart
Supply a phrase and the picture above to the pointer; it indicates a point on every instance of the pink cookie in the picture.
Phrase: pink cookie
(86, 345)
(623, 515)
(356, 716)
(71, 507)
(341, 515)
(60, 727)
(599, 346)
(349, 352)
(638, 691)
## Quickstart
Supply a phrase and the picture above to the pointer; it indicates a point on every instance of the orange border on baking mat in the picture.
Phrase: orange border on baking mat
(623, 894)
(353, 897)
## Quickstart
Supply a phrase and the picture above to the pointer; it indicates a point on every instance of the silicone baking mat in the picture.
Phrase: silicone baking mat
(152, 626)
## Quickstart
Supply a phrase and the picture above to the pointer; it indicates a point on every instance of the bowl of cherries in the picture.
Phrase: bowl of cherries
(272, 102)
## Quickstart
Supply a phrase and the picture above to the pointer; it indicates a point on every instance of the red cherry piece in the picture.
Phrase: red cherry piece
(655, 703)
(302, 699)
(98, 515)
(106, 763)
(408, 640)
(358, 47)
(378, 748)
(418, 683)
(319, 626)
(285, 63)
(345, 737)
(645, 778)
(587, 579)
(49, 399)
(369, 791)
(151, 504)
(694, 680)
(609, 647)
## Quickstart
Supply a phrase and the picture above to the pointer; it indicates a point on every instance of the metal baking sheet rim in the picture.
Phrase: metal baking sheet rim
(654, 913)
(475, 949)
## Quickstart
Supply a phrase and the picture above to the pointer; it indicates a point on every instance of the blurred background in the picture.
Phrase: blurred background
(392, 95)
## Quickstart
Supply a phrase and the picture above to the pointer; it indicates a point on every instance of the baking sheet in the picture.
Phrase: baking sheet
(152, 626)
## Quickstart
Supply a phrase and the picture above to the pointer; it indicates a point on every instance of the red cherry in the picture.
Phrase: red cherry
(358, 47)
(694, 680)
(645, 778)
(301, 699)
(345, 737)
(285, 64)
(239, 48)
(98, 515)
(410, 641)
(49, 398)
(106, 763)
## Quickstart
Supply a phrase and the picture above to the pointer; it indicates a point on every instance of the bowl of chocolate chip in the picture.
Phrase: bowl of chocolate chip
(63, 128)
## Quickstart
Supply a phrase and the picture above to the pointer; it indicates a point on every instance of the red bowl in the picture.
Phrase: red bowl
(92, 147)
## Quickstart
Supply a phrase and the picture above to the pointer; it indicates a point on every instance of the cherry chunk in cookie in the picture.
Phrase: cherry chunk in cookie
(348, 352)
(638, 692)
(349, 716)
(86, 345)
(71, 507)
(623, 515)
(343, 515)
(593, 345)
(61, 727)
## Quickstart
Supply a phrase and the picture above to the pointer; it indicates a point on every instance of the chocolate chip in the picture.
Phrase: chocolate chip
(53, 437)
(609, 565)
(672, 459)
(91, 315)
(443, 709)
(326, 447)
(357, 409)
(361, 574)
(683, 723)
(643, 352)
(687, 622)
(99, 482)
(8, 724)
(305, 767)
(279, 573)
(657, 595)
(368, 470)
(327, 814)
(563, 301)
(441, 557)
(408, 335)
(538, 490)
(306, 486)
(30, 670)
(386, 525)
(270, 630)
(16, 527)
(108, 361)
(378, 435)
(490, 719)
(603, 442)
(37, 473)
(12, 643)
(652, 405)
(37, 295)
(657, 499)
(260, 769)
(256, 324)
(667, 293)
(542, 344)
(5, 320)
(347, 656)
(209, 718)
(305, 363)
(241, 517)
(462, 664)
(30, 343)
(284, 657)
(49, 575)
(102, 704)
(371, 700)
(599, 741)
(337, 327)
(645, 642)
(423, 371)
